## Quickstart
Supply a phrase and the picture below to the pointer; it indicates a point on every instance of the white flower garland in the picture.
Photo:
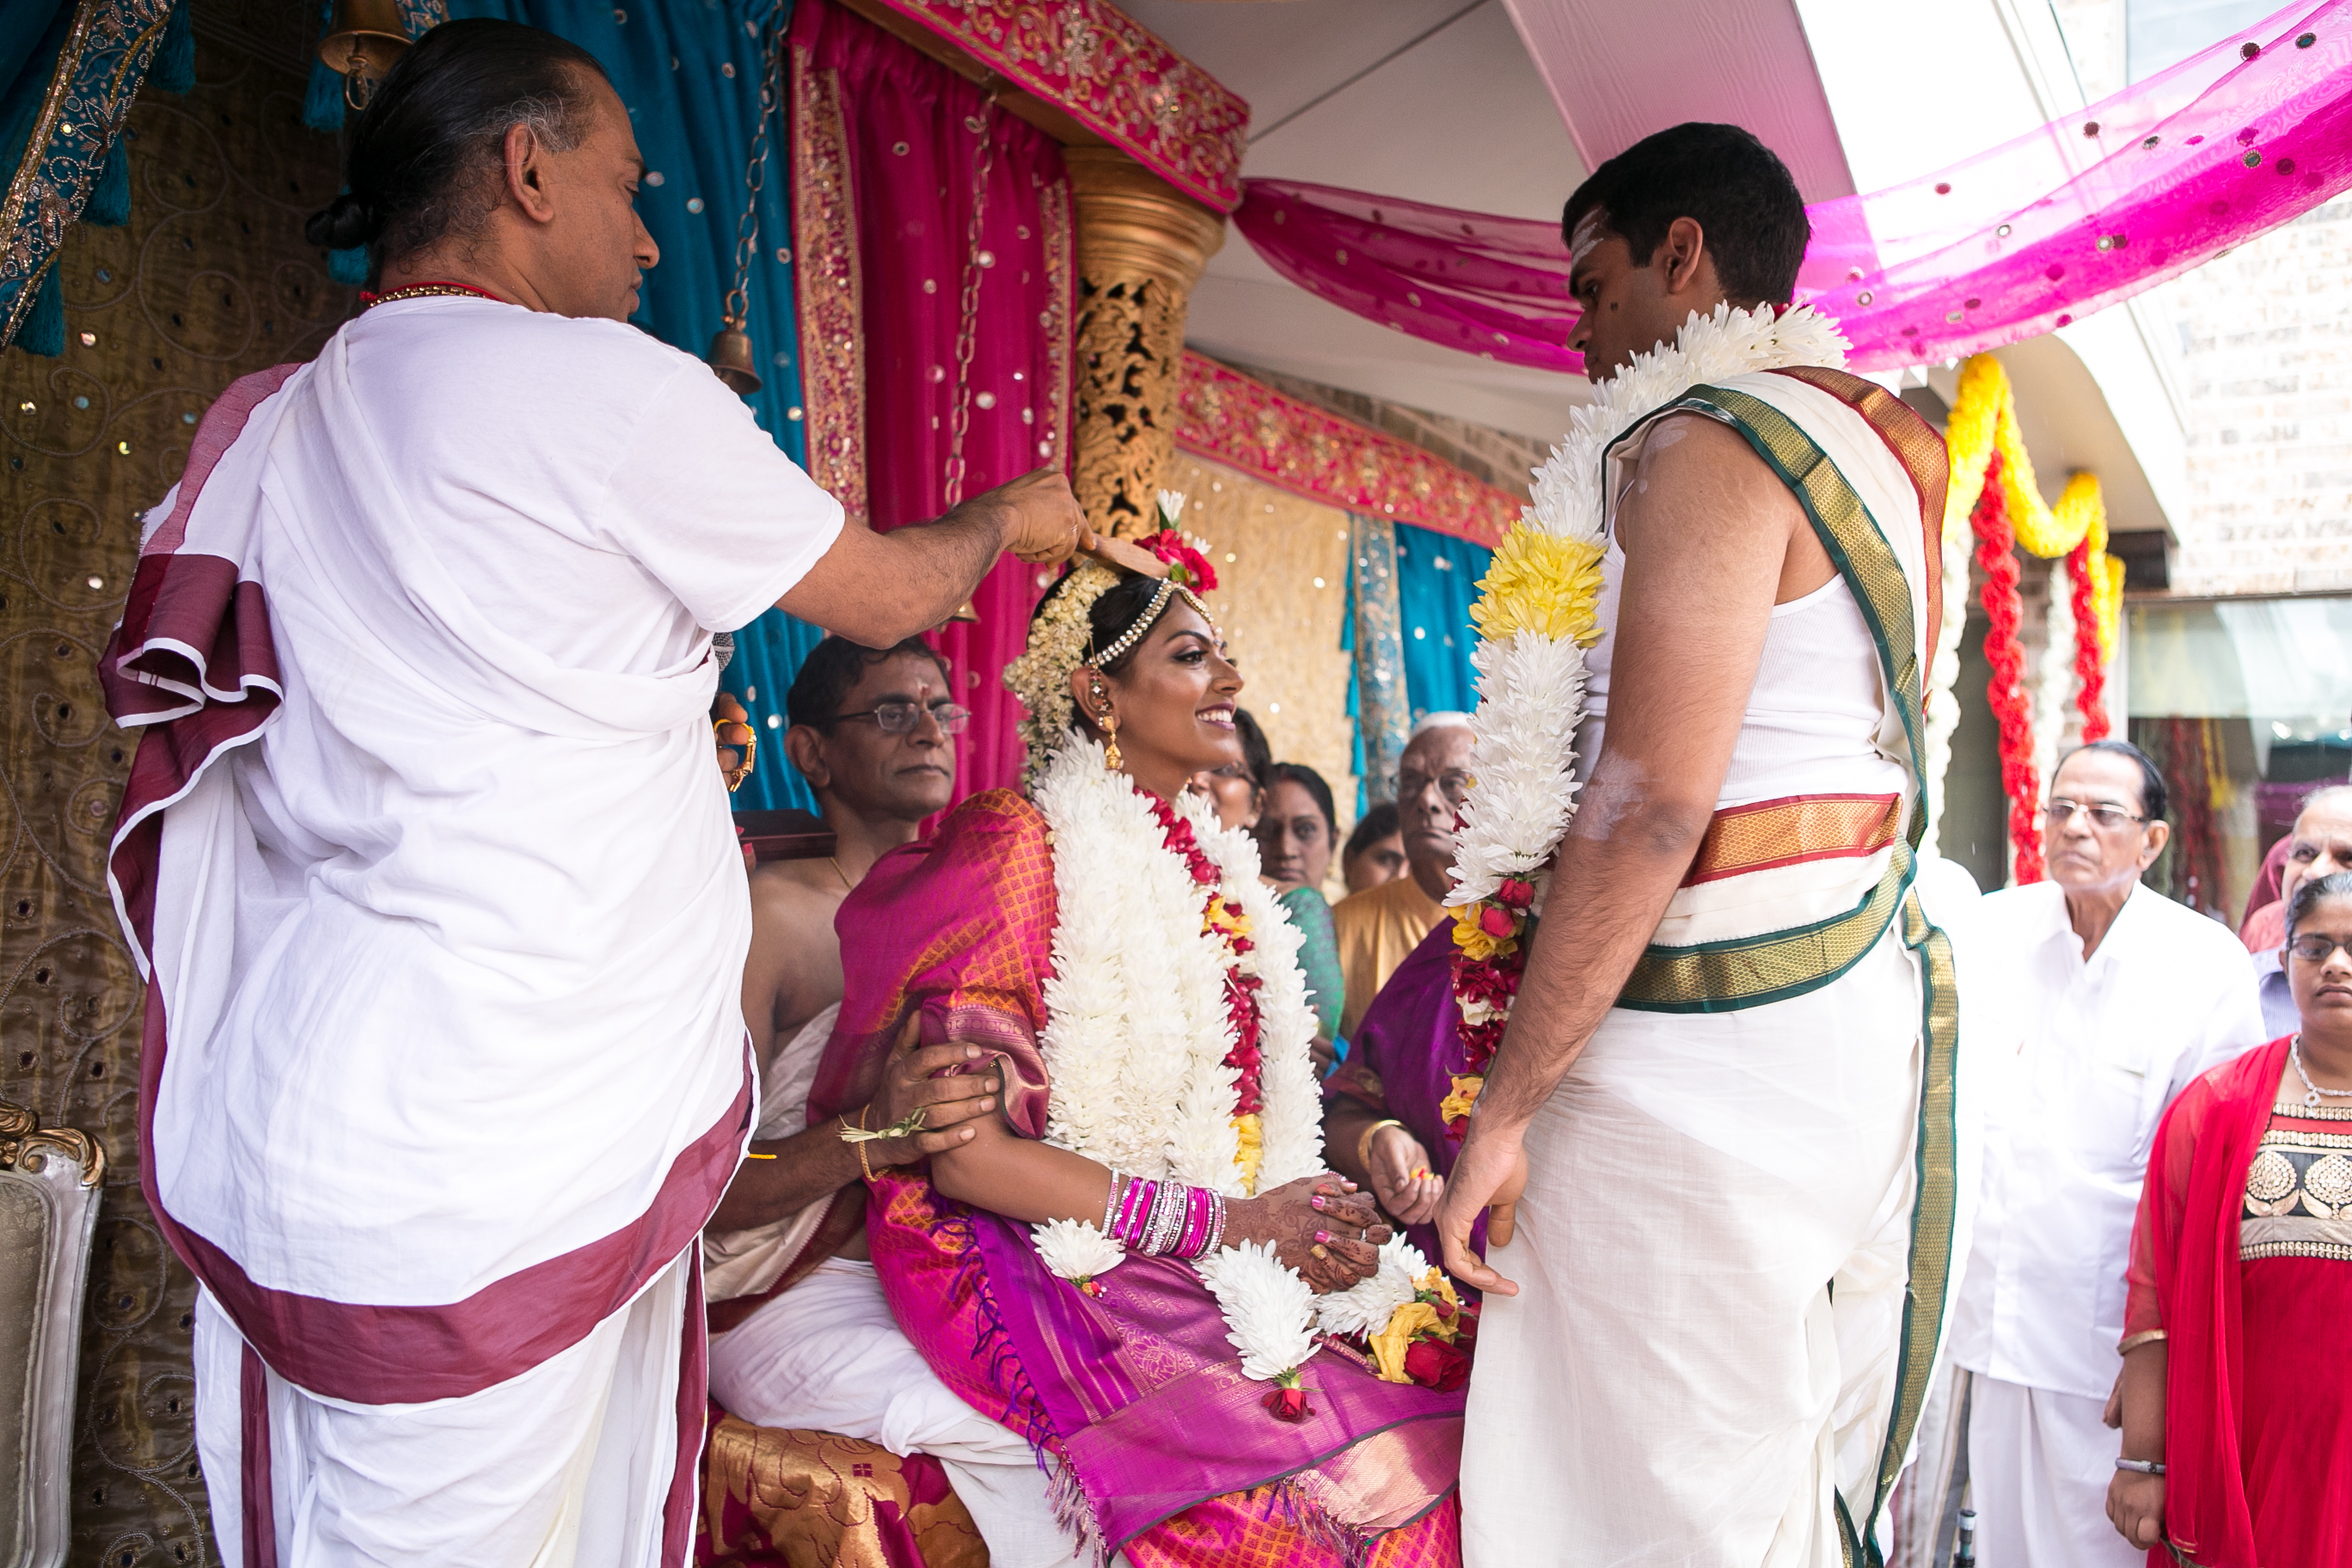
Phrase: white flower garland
(2054, 682)
(1137, 1031)
(1943, 703)
(1530, 686)
(1365, 1307)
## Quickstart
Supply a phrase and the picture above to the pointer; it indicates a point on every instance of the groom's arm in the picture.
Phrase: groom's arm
(1707, 531)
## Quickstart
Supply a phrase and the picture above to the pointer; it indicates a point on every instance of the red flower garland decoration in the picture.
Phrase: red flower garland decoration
(1241, 990)
(1493, 980)
(2003, 608)
(2090, 652)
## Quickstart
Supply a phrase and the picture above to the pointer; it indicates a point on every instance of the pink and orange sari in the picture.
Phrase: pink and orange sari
(1164, 1450)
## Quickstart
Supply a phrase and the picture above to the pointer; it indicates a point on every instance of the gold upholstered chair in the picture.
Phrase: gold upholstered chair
(48, 1208)
(772, 1498)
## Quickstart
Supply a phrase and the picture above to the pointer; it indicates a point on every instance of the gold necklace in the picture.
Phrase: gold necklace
(2312, 1091)
(426, 292)
(838, 871)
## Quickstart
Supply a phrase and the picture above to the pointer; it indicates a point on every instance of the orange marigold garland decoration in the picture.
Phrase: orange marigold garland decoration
(2003, 608)
(2090, 657)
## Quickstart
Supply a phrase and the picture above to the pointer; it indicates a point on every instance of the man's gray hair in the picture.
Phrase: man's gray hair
(1444, 719)
(2329, 794)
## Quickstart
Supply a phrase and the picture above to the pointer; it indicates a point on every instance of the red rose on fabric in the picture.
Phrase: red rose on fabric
(1466, 1325)
(1434, 1363)
(1290, 1404)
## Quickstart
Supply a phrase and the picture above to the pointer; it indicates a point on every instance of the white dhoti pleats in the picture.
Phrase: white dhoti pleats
(573, 1464)
(827, 1356)
(1703, 1353)
(2039, 1466)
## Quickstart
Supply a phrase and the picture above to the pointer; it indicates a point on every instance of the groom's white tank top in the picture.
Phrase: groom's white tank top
(1813, 716)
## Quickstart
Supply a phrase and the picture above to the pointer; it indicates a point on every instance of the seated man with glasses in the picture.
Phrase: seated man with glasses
(802, 1339)
(2092, 1001)
(1378, 927)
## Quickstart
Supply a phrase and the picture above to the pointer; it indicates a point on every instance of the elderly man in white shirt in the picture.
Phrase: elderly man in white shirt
(2104, 999)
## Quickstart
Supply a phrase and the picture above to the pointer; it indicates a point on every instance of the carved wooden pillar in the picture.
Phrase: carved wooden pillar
(1141, 245)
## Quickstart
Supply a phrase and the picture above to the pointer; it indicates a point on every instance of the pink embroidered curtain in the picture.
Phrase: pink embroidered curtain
(2076, 215)
(963, 249)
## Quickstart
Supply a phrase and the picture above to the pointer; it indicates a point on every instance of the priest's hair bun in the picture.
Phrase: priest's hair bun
(348, 221)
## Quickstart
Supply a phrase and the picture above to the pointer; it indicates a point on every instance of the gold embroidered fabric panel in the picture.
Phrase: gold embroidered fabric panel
(1771, 832)
(816, 1497)
(826, 279)
(2298, 1194)
(211, 280)
(1056, 239)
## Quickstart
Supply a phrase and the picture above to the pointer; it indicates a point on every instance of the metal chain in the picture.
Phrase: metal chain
(738, 304)
(968, 326)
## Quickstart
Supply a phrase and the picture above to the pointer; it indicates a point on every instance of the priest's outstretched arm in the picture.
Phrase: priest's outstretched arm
(1712, 539)
(877, 589)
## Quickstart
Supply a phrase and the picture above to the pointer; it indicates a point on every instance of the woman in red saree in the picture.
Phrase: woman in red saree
(1153, 1198)
(2236, 1393)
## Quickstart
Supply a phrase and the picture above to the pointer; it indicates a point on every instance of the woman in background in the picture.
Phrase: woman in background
(2237, 1446)
(1375, 851)
(1296, 832)
(1237, 789)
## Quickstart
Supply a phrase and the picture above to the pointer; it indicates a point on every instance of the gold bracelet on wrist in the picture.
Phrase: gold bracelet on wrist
(860, 1142)
(1364, 1142)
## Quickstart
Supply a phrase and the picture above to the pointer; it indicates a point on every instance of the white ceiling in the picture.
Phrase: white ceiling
(1460, 118)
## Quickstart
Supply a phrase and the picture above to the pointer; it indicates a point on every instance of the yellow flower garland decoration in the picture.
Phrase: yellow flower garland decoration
(1983, 421)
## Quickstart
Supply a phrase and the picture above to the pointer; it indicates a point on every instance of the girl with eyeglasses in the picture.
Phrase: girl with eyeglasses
(2236, 1397)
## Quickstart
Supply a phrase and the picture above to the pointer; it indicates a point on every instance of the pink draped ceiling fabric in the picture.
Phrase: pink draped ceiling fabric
(927, 150)
(2026, 237)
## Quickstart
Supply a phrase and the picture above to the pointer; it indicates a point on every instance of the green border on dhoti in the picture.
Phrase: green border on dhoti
(1750, 972)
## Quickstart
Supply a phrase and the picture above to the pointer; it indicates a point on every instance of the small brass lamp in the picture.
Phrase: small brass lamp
(365, 38)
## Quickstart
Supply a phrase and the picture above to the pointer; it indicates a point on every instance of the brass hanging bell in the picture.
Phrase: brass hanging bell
(730, 357)
(365, 38)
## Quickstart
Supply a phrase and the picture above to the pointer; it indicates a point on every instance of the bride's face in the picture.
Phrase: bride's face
(1174, 701)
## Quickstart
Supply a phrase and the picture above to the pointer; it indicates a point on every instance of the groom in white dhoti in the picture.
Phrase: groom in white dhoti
(1717, 1133)
(425, 855)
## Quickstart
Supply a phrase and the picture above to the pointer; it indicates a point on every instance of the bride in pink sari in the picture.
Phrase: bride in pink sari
(1142, 1264)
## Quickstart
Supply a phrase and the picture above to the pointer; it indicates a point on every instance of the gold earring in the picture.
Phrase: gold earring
(1110, 733)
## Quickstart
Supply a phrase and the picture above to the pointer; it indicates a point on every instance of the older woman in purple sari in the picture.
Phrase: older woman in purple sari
(1137, 1265)
(1385, 1121)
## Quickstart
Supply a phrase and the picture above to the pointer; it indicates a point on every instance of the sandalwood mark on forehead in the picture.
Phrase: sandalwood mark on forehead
(1590, 230)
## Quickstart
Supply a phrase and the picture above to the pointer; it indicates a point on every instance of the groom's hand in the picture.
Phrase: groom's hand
(1490, 1176)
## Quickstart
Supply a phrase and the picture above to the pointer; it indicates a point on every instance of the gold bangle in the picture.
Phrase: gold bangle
(1364, 1143)
(860, 1142)
(2144, 1337)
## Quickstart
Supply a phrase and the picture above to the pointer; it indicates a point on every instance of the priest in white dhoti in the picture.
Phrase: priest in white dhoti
(1714, 1138)
(2104, 1000)
(426, 859)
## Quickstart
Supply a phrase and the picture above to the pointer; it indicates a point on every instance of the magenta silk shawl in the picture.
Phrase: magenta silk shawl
(918, 134)
(1135, 1391)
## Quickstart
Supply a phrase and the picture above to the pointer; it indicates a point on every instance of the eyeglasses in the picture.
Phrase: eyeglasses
(2315, 948)
(1454, 785)
(2107, 818)
(898, 718)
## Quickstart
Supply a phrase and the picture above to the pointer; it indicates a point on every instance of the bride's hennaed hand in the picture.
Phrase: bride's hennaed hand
(1320, 1226)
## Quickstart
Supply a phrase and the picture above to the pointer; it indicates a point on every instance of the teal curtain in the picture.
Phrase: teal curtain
(77, 167)
(1436, 583)
(1376, 684)
(689, 73)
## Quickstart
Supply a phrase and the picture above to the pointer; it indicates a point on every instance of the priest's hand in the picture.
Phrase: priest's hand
(1043, 523)
(2135, 1507)
(1491, 1174)
(948, 1103)
(1402, 1177)
(1320, 1226)
(730, 732)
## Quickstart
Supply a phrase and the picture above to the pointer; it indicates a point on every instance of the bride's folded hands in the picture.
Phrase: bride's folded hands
(1320, 1226)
